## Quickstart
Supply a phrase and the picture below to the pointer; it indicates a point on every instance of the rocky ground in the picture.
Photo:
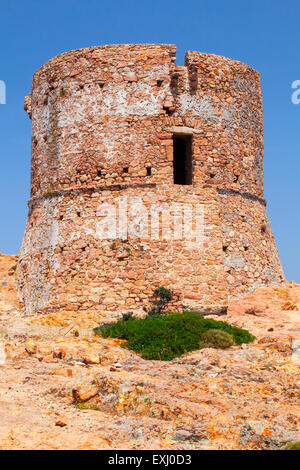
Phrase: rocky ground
(63, 388)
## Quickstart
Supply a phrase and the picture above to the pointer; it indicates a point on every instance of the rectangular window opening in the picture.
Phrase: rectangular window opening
(182, 159)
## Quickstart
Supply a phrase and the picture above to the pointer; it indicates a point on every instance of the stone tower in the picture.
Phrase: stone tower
(126, 148)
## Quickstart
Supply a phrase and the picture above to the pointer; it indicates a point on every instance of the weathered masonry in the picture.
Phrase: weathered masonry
(121, 135)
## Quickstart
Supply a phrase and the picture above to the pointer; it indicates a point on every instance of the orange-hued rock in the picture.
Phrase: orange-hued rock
(60, 398)
(8, 291)
(265, 310)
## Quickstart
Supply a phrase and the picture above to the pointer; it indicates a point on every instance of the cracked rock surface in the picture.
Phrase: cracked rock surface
(63, 388)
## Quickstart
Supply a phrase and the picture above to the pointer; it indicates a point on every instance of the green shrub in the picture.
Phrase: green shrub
(292, 446)
(127, 316)
(216, 339)
(162, 297)
(165, 337)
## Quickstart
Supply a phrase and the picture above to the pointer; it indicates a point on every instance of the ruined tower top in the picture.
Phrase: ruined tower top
(78, 90)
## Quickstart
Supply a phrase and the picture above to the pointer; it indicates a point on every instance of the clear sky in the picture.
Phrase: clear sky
(264, 34)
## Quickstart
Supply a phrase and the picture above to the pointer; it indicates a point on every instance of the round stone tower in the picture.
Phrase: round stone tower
(145, 174)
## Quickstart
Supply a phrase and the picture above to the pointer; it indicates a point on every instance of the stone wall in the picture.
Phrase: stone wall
(103, 122)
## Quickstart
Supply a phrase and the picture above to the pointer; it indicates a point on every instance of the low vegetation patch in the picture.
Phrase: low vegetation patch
(86, 406)
(171, 335)
(292, 446)
(216, 339)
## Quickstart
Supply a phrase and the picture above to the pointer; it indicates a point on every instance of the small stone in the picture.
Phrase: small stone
(50, 359)
(91, 358)
(60, 372)
(84, 392)
(183, 435)
(131, 77)
(61, 424)
(31, 347)
(59, 353)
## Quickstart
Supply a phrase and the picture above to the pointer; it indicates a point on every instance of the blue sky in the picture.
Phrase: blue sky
(265, 35)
